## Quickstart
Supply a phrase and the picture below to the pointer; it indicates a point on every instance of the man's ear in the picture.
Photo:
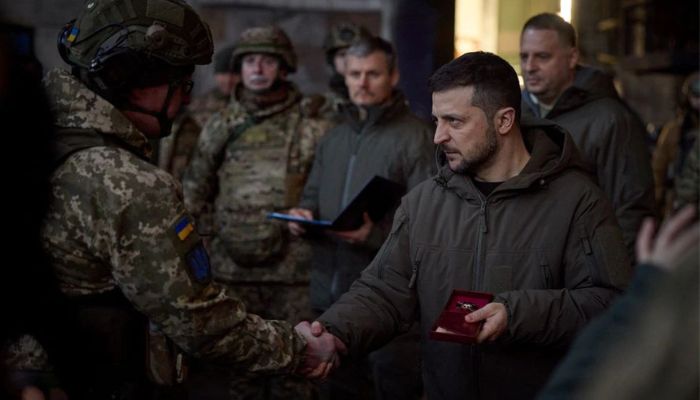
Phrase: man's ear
(574, 58)
(504, 120)
(395, 76)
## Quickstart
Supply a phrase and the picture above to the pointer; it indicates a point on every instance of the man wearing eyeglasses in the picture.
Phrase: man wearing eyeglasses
(253, 158)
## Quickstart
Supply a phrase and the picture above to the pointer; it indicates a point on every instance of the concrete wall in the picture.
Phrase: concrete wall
(306, 22)
(305, 27)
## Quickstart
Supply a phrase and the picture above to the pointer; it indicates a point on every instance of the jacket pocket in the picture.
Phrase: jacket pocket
(253, 246)
(546, 271)
(517, 269)
(389, 244)
(415, 264)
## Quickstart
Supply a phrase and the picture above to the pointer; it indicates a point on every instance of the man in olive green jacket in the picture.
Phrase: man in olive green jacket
(583, 101)
(513, 213)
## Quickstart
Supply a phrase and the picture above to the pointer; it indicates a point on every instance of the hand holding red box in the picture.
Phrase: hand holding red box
(451, 325)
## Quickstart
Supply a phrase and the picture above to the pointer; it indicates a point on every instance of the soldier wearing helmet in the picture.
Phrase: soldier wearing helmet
(126, 253)
(335, 45)
(252, 158)
(175, 151)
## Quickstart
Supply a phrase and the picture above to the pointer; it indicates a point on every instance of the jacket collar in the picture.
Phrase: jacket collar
(75, 106)
(552, 151)
(362, 117)
(260, 106)
(589, 84)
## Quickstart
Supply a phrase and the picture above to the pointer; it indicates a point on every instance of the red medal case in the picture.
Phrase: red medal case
(451, 326)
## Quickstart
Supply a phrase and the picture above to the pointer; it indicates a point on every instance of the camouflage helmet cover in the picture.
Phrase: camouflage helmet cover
(168, 30)
(343, 35)
(265, 39)
(222, 60)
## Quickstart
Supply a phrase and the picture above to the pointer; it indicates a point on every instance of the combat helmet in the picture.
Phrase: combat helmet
(265, 39)
(341, 36)
(120, 44)
(222, 60)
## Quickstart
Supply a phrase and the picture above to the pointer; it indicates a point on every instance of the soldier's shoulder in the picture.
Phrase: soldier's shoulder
(115, 170)
(221, 121)
(312, 105)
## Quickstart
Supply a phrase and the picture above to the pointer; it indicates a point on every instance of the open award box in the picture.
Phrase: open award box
(451, 326)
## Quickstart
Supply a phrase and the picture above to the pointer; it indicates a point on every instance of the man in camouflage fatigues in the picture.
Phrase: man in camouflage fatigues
(251, 159)
(336, 44)
(122, 245)
(175, 151)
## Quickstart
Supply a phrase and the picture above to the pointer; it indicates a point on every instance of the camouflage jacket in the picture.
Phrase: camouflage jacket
(251, 160)
(117, 221)
(175, 151)
(332, 104)
(203, 107)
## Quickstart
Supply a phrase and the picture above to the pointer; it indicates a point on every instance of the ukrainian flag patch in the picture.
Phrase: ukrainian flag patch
(184, 228)
(72, 35)
(198, 261)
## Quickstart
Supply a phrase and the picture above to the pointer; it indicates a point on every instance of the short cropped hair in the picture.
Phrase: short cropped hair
(495, 82)
(368, 45)
(565, 31)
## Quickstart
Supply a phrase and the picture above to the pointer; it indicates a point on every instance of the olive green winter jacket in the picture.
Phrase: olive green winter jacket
(545, 242)
(612, 139)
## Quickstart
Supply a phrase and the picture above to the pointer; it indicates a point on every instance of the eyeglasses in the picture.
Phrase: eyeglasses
(186, 85)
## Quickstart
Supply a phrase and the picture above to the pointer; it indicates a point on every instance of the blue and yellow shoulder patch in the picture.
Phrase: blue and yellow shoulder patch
(184, 227)
(73, 35)
(198, 263)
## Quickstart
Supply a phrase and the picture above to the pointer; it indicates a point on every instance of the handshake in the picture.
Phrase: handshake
(322, 352)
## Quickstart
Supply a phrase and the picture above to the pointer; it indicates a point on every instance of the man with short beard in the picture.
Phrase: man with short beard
(511, 212)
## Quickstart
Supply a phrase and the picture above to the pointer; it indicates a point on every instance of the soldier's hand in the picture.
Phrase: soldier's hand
(359, 235)
(321, 352)
(495, 317)
(296, 227)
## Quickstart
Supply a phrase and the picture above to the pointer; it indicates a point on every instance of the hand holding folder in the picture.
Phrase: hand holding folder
(376, 198)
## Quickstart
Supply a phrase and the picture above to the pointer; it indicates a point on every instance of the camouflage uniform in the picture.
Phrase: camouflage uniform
(331, 105)
(251, 160)
(176, 150)
(118, 222)
(340, 37)
(264, 169)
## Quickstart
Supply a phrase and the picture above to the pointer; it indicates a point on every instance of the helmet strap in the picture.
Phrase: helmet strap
(165, 123)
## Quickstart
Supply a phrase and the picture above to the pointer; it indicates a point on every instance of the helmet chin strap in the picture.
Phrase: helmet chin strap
(165, 123)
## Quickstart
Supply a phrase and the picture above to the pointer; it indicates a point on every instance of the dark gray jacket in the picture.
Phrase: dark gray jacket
(544, 242)
(612, 139)
(390, 142)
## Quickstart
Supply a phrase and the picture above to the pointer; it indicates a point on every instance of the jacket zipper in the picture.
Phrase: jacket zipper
(478, 285)
(480, 256)
(414, 268)
(345, 199)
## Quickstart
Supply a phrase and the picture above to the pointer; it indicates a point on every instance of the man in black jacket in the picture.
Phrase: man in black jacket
(514, 213)
(380, 136)
(583, 101)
